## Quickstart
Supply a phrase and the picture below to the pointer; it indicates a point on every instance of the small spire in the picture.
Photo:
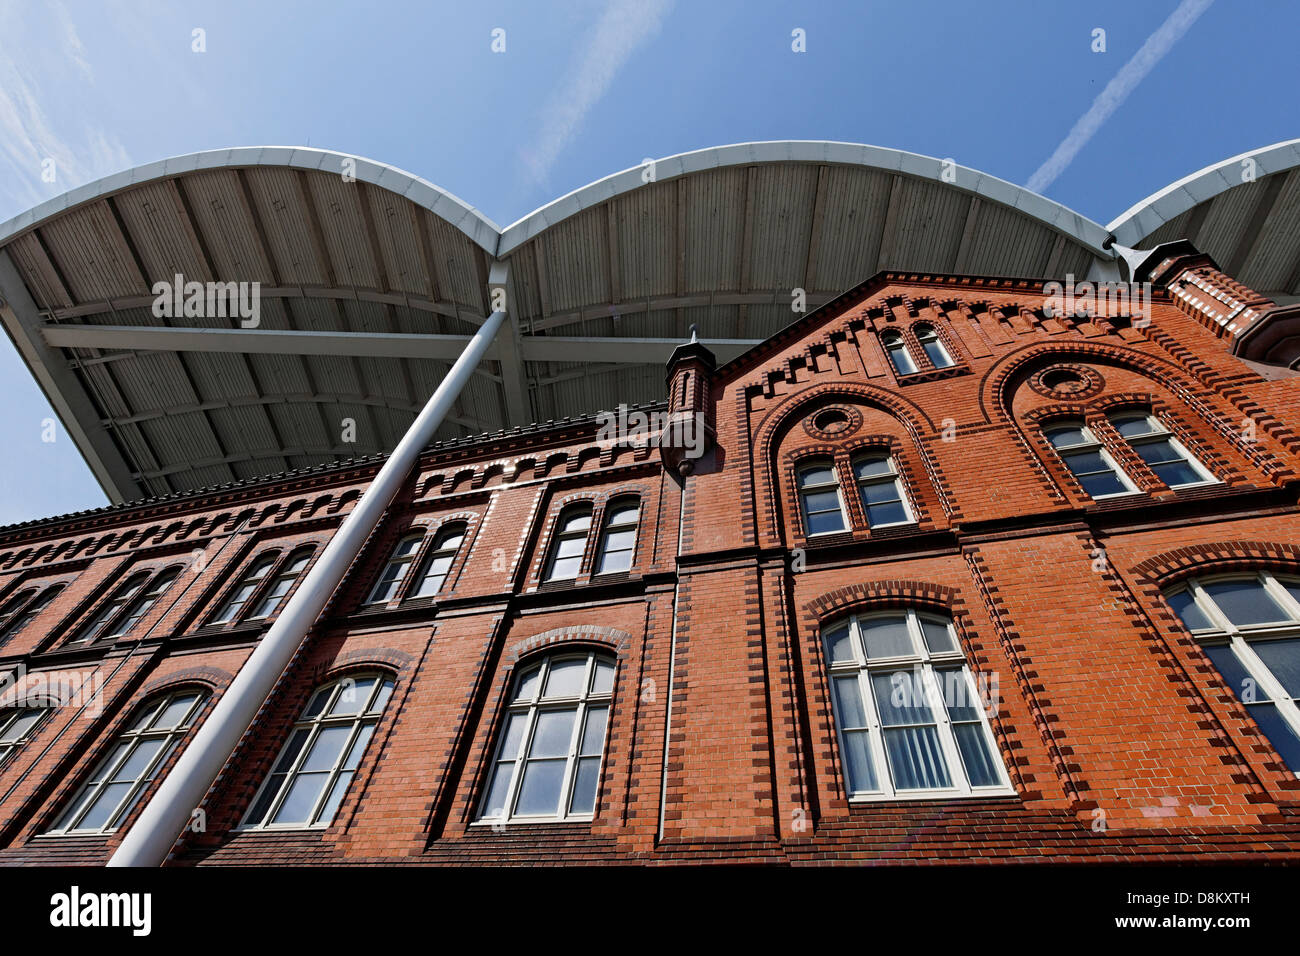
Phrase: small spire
(693, 328)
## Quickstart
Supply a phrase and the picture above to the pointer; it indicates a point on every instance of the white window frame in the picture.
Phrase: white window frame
(924, 663)
(529, 708)
(1223, 633)
(368, 714)
(610, 527)
(900, 487)
(834, 483)
(21, 615)
(255, 573)
(407, 561)
(1158, 432)
(930, 333)
(577, 509)
(283, 571)
(893, 341)
(11, 715)
(1090, 443)
(137, 731)
(439, 549)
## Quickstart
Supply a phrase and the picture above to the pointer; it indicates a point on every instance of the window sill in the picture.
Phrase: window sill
(931, 374)
(529, 822)
(927, 795)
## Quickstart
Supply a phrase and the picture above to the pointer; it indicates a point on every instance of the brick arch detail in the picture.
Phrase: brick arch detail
(994, 392)
(1216, 557)
(381, 658)
(610, 637)
(910, 416)
(213, 678)
(875, 595)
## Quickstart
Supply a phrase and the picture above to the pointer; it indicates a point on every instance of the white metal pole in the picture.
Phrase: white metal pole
(171, 808)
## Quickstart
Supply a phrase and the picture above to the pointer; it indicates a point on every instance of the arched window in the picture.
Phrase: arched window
(438, 563)
(911, 721)
(548, 759)
(126, 772)
(896, 349)
(819, 496)
(395, 571)
(1087, 460)
(1172, 463)
(313, 769)
(1249, 628)
(285, 575)
(933, 345)
(619, 539)
(251, 581)
(17, 726)
(570, 543)
(24, 608)
(881, 490)
(127, 605)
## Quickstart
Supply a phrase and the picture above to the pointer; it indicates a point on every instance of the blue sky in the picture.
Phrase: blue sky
(588, 87)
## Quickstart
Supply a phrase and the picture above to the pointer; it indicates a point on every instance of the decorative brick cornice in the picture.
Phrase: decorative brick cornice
(884, 594)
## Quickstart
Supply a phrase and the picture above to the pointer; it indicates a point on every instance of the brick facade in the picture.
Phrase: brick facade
(1119, 739)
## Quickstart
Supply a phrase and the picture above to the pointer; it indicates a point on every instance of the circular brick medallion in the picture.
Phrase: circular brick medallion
(1067, 382)
(832, 422)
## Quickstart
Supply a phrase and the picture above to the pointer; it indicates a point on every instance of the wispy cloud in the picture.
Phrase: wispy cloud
(1117, 90)
(624, 26)
(31, 135)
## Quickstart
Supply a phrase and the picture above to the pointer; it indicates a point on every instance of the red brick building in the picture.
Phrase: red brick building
(562, 648)
(955, 567)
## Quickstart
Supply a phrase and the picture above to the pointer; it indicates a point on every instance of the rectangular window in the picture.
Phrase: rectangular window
(910, 720)
(1088, 461)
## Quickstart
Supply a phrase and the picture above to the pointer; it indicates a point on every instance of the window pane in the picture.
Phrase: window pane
(17, 729)
(381, 698)
(335, 798)
(1283, 659)
(886, 637)
(570, 547)
(358, 748)
(1293, 589)
(602, 682)
(353, 695)
(553, 733)
(872, 467)
(1086, 462)
(303, 794)
(593, 732)
(962, 703)
(857, 762)
(565, 678)
(915, 759)
(1102, 484)
(888, 513)
(937, 355)
(1176, 473)
(1067, 436)
(816, 475)
(825, 521)
(1184, 605)
(624, 514)
(106, 801)
(578, 522)
(495, 804)
(584, 785)
(900, 698)
(1279, 733)
(133, 767)
(512, 735)
(821, 501)
(528, 684)
(878, 492)
(1247, 689)
(1244, 601)
(1132, 425)
(565, 568)
(175, 712)
(902, 361)
(540, 791)
(620, 540)
(976, 756)
(938, 636)
(324, 753)
(838, 643)
(291, 751)
(318, 702)
(849, 695)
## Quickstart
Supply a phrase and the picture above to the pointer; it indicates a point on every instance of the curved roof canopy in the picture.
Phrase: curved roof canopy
(371, 279)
